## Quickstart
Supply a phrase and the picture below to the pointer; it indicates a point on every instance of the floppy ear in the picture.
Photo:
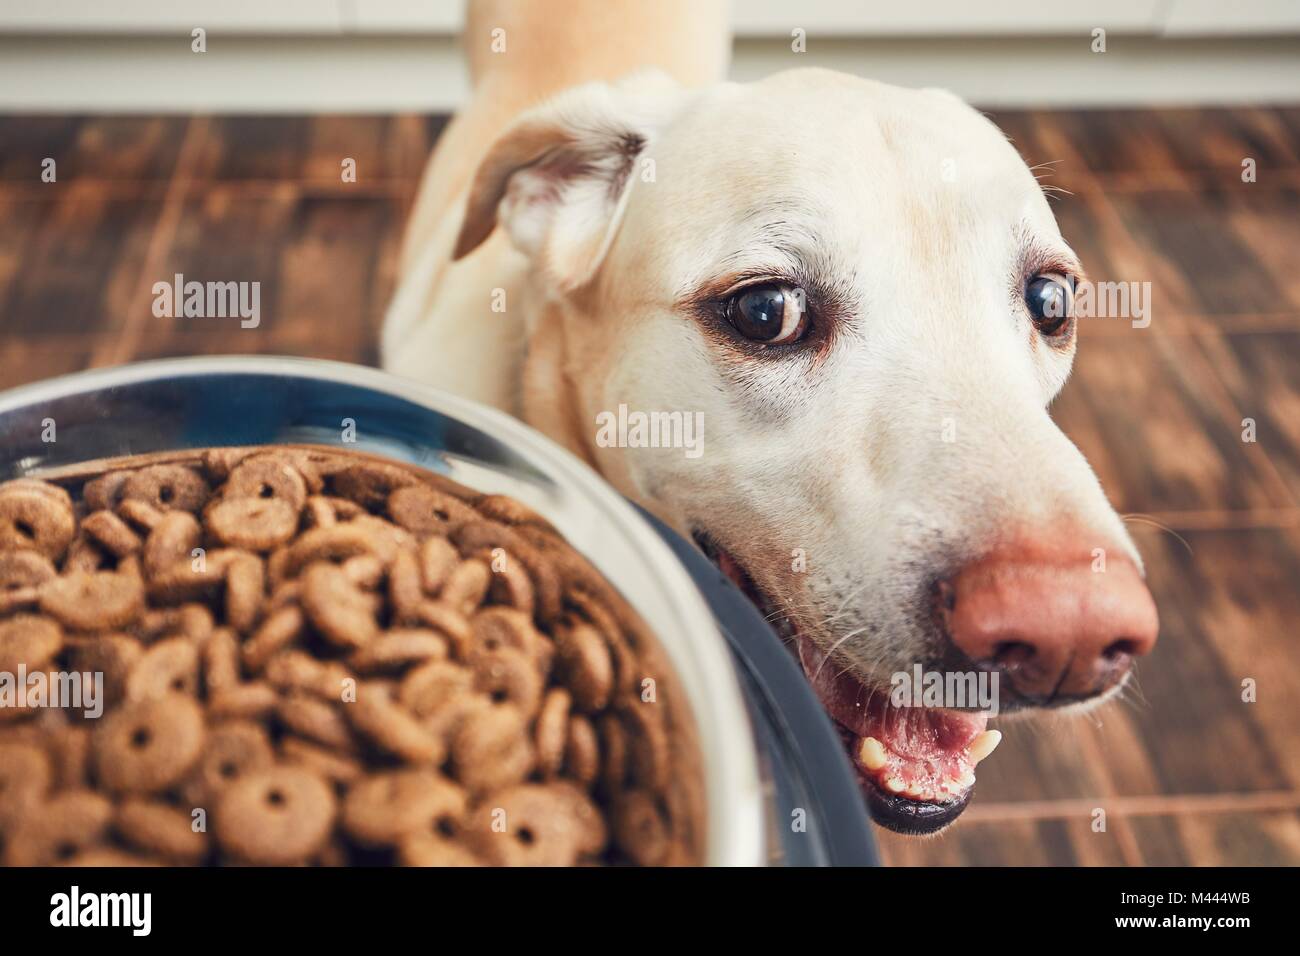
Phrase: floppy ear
(559, 177)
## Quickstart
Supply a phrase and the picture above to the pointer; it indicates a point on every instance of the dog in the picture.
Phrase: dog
(861, 291)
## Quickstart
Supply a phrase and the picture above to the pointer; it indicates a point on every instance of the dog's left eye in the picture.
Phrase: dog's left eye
(1050, 299)
(772, 314)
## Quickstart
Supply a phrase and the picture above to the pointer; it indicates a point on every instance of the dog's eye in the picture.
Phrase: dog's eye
(771, 314)
(1051, 302)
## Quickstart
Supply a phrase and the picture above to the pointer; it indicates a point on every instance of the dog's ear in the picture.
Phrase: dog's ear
(559, 177)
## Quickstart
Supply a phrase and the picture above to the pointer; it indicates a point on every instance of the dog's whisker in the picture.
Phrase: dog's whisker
(1148, 520)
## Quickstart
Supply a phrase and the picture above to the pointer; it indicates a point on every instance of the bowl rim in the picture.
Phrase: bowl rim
(734, 814)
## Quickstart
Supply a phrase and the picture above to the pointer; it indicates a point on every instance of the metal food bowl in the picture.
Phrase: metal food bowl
(766, 746)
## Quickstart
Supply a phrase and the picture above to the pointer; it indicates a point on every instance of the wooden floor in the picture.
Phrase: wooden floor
(1185, 771)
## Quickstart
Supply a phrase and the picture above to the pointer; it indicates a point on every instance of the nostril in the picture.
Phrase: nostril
(1123, 647)
(1012, 652)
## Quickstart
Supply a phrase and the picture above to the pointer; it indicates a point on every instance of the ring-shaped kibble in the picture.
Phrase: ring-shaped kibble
(152, 826)
(105, 491)
(379, 718)
(25, 776)
(552, 730)
(397, 649)
(220, 660)
(169, 667)
(585, 666)
(495, 628)
(267, 477)
(167, 488)
(335, 767)
(96, 600)
(508, 511)
(113, 656)
(432, 850)
(424, 510)
(111, 533)
(405, 591)
(466, 586)
(342, 613)
(508, 676)
(534, 825)
(316, 720)
(648, 745)
(490, 748)
(233, 749)
(298, 670)
(51, 491)
(24, 569)
(245, 590)
(67, 824)
(33, 520)
(275, 817)
(582, 750)
(172, 540)
(333, 544)
(640, 829)
(511, 586)
(29, 640)
(438, 558)
(280, 629)
(432, 687)
(387, 806)
(253, 524)
(148, 745)
(370, 483)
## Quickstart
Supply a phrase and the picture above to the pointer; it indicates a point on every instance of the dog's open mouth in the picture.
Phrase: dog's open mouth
(916, 765)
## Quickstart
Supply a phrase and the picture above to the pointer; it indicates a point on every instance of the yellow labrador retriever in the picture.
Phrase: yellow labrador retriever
(813, 322)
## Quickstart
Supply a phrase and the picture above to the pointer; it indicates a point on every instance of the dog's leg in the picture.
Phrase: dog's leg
(446, 324)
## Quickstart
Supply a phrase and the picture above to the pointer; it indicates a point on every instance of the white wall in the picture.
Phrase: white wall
(380, 55)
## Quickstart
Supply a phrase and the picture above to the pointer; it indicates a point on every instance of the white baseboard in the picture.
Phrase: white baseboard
(366, 73)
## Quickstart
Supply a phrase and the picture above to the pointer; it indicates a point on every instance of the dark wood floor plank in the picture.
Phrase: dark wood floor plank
(132, 149)
(75, 257)
(317, 262)
(1261, 374)
(1138, 408)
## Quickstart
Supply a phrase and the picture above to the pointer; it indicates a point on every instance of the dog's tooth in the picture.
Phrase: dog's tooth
(895, 784)
(871, 753)
(984, 744)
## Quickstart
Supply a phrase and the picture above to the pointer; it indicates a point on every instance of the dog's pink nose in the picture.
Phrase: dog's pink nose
(1059, 627)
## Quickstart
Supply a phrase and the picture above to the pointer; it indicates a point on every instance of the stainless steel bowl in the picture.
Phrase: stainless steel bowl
(245, 400)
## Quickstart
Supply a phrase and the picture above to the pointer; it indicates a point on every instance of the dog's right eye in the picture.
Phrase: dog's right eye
(772, 314)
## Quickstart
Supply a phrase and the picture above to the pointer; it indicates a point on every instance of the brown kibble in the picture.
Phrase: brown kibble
(111, 533)
(339, 660)
(91, 601)
(167, 488)
(168, 667)
(424, 510)
(389, 806)
(34, 520)
(66, 825)
(28, 639)
(585, 666)
(252, 524)
(275, 817)
(147, 745)
(152, 826)
(552, 731)
(336, 608)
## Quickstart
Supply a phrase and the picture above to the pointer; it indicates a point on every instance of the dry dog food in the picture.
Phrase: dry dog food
(291, 655)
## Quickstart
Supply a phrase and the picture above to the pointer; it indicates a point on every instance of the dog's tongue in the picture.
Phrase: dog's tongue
(922, 753)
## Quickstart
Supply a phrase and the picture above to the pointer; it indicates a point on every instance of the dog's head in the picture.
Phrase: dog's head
(862, 295)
